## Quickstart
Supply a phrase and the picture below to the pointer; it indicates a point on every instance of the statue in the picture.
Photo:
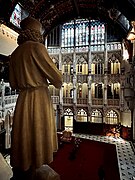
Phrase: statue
(34, 137)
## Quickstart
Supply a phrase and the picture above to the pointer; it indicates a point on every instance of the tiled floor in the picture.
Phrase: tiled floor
(125, 154)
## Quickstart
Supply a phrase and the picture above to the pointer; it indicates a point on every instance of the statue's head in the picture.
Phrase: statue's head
(31, 23)
(31, 31)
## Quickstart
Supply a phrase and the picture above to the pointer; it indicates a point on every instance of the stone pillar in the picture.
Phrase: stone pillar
(105, 72)
(121, 98)
(61, 95)
(105, 91)
(60, 60)
(74, 79)
(3, 98)
(133, 73)
(60, 68)
(8, 133)
(133, 123)
(74, 90)
(89, 78)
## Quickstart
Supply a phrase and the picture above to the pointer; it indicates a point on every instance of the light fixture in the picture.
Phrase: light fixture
(131, 34)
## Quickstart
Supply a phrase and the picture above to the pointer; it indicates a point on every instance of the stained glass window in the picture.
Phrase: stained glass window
(97, 29)
(81, 115)
(112, 117)
(96, 116)
(68, 34)
(18, 14)
(79, 32)
(68, 119)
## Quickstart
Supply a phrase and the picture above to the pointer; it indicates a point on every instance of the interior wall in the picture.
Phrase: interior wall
(126, 118)
(8, 40)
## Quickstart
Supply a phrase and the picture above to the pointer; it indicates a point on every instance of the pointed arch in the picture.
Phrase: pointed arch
(112, 117)
(96, 116)
(68, 119)
(81, 115)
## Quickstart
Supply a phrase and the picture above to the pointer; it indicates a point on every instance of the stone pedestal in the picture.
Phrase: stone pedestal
(5, 170)
(46, 173)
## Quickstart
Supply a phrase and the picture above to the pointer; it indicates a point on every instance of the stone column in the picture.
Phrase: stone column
(8, 130)
(133, 123)
(133, 73)
(60, 68)
(105, 73)
(89, 78)
(74, 79)
(3, 98)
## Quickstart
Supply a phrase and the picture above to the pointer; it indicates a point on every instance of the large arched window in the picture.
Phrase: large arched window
(97, 32)
(68, 90)
(97, 66)
(81, 32)
(98, 91)
(113, 91)
(67, 67)
(96, 116)
(111, 117)
(81, 115)
(68, 119)
(82, 65)
(113, 64)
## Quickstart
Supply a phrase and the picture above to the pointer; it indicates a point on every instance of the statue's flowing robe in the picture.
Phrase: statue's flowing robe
(34, 137)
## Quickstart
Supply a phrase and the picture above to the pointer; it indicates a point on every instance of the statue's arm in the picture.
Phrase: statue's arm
(47, 67)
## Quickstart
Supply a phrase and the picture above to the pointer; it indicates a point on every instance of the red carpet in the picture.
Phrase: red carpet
(85, 164)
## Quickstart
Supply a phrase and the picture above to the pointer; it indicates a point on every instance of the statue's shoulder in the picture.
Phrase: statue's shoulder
(38, 44)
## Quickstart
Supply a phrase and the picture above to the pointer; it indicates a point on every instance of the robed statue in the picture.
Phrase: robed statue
(34, 137)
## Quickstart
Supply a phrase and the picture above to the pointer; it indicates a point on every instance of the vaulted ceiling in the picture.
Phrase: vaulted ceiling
(54, 12)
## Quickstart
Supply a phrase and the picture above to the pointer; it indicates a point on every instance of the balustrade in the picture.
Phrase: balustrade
(97, 102)
(97, 78)
(110, 47)
(113, 102)
(113, 78)
(82, 101)
(67, 78)
(67, 100)
(82, 78)
(55, 99)
(8, 100)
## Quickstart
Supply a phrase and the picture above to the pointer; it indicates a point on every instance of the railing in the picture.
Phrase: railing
(113, 102)
(67, 78)
(55, 99)
(97, 77)
(100, 47)
(82, 78)
(53, 50)
(113, 46)
(110, 102)
(13, 98)
(113, 78)
(94, 78)
(82, 48)
(67, 50)
(67, 100)
(10, 99)
(82, 101)
(97, 102)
